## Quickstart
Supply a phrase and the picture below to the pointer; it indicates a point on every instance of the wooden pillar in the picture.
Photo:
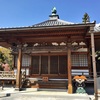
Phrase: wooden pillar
(70, 90)
(94, 61)
(19, 64)
(89, 60)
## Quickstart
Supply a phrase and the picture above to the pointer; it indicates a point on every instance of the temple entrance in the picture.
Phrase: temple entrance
(49, 64)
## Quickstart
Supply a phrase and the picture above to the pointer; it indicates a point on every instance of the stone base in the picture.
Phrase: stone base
(70, 89)
(18, 89)
(1, 88)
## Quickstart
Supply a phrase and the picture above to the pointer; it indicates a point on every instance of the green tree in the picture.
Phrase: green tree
(86, 18)
(5, 56)
(2, 59)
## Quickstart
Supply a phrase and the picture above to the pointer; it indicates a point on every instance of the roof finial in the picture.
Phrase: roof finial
(54, 15)
(54, 11)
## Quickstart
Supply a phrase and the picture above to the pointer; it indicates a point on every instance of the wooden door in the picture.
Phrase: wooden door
(35, 65)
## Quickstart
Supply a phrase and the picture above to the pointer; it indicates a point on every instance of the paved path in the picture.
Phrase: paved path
(43, 97)
(33, 94)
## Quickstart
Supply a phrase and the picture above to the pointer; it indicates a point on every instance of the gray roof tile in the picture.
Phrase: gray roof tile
(97, 28)
(55, 22)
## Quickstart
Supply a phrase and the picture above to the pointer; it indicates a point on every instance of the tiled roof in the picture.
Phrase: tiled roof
(97, 28)
(55, 22)
(58, 22)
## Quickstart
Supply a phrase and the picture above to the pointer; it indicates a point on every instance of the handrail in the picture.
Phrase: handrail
(7, 74)
(11, 74)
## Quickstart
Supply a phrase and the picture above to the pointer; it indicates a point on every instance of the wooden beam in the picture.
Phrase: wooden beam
(80, 67)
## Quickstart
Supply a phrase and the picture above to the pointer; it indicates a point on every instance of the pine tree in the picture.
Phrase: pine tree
(86, 18)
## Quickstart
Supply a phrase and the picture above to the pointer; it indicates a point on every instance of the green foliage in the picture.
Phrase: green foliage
(98, 55)
(86, 18)
(2, 59)
(5, 56)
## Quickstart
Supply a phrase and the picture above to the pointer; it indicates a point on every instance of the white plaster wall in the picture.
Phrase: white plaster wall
(23, 69)
(79, 72)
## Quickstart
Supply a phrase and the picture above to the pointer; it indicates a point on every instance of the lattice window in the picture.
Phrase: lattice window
(25, 60)
(79, 60)
(75, 60)
(83, 60)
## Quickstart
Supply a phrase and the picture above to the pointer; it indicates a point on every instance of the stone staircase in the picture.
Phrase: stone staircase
(52, 84)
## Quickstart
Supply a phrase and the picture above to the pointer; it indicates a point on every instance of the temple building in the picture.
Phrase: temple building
(54, 49)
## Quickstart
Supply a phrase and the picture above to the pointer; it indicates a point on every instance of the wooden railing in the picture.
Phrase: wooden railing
(87, 74)
(7, 75)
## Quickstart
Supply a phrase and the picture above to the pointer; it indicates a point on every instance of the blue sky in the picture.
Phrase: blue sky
(14, 13)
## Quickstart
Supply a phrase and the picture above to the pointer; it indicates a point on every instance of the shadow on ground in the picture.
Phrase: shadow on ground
(89, 88)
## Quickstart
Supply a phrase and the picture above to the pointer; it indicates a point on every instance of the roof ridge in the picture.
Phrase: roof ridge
(52, 22)
(65, 21)
(40, 23)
